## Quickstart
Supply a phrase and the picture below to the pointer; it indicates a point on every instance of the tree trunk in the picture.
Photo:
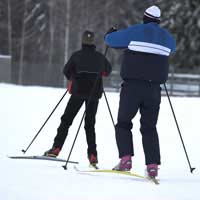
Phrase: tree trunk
(52, 33)
(68, 5)
(9, 30)
(21, 61)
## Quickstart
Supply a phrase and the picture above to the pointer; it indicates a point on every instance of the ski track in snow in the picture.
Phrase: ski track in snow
(25, 108)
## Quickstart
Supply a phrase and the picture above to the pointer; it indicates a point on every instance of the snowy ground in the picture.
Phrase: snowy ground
(24, 110)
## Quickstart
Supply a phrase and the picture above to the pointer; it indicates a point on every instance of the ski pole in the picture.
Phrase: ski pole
(89, 99)
(191, 168)
(109, 108)
(24, 151)
(107, 47)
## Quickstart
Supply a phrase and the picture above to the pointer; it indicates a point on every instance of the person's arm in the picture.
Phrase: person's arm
(107, 69)
(118, 39)
(170, 41)
(68, 68)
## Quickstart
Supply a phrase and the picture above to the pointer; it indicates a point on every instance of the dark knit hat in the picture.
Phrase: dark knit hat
(88, 38)
(152, 14)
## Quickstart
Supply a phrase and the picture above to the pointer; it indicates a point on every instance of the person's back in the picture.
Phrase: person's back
(88, 60)
(85, 69)
(151, 38)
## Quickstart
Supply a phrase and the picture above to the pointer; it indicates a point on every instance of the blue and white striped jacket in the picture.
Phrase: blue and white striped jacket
(148, 48)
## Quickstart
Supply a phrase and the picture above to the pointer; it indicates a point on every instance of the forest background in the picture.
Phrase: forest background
(40, 35)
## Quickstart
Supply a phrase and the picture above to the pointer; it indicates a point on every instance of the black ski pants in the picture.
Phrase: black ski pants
(72, 108)
(144, 96)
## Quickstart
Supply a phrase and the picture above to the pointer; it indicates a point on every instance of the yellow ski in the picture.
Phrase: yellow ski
(151, 179)
(116, 172)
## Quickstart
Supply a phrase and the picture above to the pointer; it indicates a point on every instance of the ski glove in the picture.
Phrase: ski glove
(112, 29)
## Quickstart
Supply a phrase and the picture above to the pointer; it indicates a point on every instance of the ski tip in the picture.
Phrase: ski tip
(94, 166)
(154, 180)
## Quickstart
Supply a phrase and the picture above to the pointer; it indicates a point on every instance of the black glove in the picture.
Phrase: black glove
(112, 29)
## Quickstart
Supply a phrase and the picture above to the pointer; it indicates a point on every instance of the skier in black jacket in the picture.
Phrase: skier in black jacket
(84, 70)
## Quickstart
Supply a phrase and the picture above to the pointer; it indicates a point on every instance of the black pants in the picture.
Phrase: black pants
(145, 97)
(73, 106)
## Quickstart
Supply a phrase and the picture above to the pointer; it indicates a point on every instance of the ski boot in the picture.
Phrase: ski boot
(152, 170)
(93, 160)
(125, 164)
(53, 152)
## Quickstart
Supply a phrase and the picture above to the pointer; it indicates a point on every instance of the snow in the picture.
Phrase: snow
(25, 109)
(5, 56)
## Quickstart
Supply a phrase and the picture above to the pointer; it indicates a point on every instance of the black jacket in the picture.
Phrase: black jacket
(144, 66)
(85, 68)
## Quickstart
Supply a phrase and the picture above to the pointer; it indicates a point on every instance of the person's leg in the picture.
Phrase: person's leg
(90, 119)
(128, 107)
(72, 108)
(149, 116)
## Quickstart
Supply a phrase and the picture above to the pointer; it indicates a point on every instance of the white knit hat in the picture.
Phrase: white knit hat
(153, 12)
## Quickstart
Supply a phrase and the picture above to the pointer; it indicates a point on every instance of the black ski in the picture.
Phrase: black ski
(42, 158)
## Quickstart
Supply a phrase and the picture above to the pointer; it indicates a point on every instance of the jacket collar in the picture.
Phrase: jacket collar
(88, 47)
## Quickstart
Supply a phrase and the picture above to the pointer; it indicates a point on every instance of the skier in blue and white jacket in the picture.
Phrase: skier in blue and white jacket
(144, 67)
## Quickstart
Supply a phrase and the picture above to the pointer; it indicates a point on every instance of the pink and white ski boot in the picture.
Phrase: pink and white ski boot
(125, 164)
